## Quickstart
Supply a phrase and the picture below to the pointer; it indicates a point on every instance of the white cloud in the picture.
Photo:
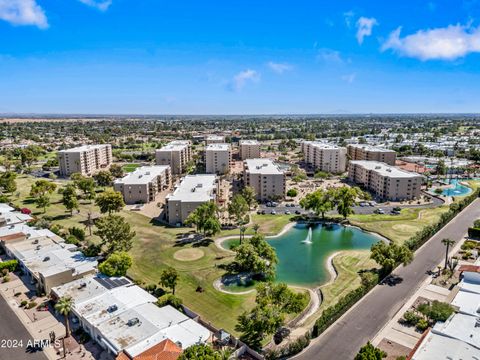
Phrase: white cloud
(449, 43)
(101, 5)
(330, 56)
(242, 78)
(349, 78)
(279, 68)
(23, 12)
(364, 28)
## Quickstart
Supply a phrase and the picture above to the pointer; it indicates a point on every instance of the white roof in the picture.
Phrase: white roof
(5, 208)
(467, 302)
(217, 147)
(437, 347)
(262, 166)
(371, 148)
(85, 148)
(323, 145)
(249, 142)
(195, 188)
(51, 255)
(384, 169)
(175, 145)
(461, 327)
(215, 137)
(9, 218)
(81, 290)
(143, 175)
(29, 231)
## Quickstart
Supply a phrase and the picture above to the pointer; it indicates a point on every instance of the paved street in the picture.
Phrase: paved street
(11, 328)
(343, 339)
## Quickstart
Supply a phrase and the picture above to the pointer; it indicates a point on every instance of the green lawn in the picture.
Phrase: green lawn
(130, 167)
(269, 225)
(398, 227)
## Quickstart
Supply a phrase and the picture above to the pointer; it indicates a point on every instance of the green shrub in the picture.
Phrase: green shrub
(24, 303)
(411, 318)
(10, 265)
(6, 278)
(437, 310)
(422, 325)
(474, 232)
(469, 245)
(31, 304)
(77, 232)
(172, 300)
(72, 240)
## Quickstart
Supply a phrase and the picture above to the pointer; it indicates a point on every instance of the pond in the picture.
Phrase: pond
(303, 253)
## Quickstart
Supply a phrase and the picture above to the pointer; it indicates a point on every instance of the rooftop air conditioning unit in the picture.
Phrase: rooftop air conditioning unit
(35, 241)
(133, 322)
(112, 308)
(46, 258)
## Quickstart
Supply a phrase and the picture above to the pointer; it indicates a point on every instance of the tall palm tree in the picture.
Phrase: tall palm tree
(447, 243)
(255, 228)
(64, 307)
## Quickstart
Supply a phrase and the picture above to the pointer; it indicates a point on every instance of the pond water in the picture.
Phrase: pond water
(303, 253)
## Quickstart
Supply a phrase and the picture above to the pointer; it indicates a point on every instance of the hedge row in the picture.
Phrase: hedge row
(11, 265)
(474, 232)
(427, 232)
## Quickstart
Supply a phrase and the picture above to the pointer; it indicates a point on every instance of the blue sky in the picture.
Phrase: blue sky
(239, 56)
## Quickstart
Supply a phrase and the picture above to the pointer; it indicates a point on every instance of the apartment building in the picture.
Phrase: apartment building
(387, 182)
(125, 320)
(218, 157)
(86, 160)
(143, 185)
(44, 257)
(265, 177)
(249, 149)
(193, 191)
(371, 153)
(214, 139)
(325, 157)
(177, 154)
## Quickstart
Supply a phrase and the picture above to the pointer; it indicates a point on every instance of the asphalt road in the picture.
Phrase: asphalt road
(344, 338)
(14, 337)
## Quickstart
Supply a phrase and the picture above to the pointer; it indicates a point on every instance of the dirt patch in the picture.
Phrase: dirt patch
(190, 254)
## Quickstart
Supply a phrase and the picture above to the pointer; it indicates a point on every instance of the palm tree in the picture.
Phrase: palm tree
(255, 228)
(447, 243)
(64, 307)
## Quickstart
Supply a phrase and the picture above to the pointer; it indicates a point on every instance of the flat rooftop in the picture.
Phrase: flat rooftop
(215, 137)
(249, 142)
(143, 175)
(384, 169)
(262, 166)
(176, 145)
(84, 148)
(195, 188)
(437, 347)
(218, 147)
(371, 148)
(323, 145)
(5, 208)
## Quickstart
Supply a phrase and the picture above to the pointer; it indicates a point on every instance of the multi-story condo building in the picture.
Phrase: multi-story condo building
(265, 177)
(193, 191)
(142, 185)
(177, 154)
(249, 149)
(325, 157)
(371, 153)
(214, 139)
(218, 158)
(86, 160)
(387, 182)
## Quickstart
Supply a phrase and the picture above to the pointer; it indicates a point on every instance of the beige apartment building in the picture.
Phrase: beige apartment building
(371, 153)
(385, 181)
(193, 191)
(325, 157)
(249, 149)
(214, 139)
(143, 185)
(177, 154)
(86, 160)
(265, 177)
(218, 158)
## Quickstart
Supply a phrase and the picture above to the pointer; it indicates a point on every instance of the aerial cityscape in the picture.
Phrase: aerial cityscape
(186, 180)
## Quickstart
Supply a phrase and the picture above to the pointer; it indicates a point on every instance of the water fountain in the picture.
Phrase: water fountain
(308, 239)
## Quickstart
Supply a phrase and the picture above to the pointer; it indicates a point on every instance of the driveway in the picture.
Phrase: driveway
(345, 337)
(12, 329)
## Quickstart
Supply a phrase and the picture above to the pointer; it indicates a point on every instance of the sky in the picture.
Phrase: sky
(239, 56)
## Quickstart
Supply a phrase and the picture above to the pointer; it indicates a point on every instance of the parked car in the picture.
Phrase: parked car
(287, 212)
(273, 212)
(363, 204)
(263, 212)
(298, 212)
(379, 211)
